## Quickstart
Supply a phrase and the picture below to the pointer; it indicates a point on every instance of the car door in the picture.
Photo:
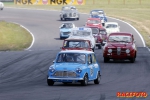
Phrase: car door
(90, 67)
(95, 66)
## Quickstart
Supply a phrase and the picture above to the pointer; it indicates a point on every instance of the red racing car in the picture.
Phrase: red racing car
(120, 46)
(94, 22)
(77, 44)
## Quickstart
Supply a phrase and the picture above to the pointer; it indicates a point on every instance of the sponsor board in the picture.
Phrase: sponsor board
(49, 2)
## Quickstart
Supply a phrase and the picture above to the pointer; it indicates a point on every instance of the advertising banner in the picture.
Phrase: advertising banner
(49, 2)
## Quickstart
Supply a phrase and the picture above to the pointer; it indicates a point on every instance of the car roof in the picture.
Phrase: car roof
(82, 39)
(76, 51)
(67, 22)
(97, 10)
(121, 33)
(111, 23)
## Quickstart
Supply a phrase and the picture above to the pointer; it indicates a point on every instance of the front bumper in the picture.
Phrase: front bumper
(121, 56)
(64, 79)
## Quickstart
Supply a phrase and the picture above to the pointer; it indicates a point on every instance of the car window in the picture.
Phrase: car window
(120, 38)
(67, 25)
(95, 30)
(71, 58)
(111, 26)
(75, 44)
(93, 22)
(80, 33)
(93, 59)
(103, 32)
(89, 59)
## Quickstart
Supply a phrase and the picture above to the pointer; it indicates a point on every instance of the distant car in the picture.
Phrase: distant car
(120, 46)
(94, 22)
(74, 66)
(103, 35)
(65, 29)
(1, 6)
(77, 44)
(98, 37)
(83, 33)
(69, 12)
(99, 14)
(112, 27)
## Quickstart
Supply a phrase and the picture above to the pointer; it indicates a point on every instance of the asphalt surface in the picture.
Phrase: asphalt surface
(23, 73)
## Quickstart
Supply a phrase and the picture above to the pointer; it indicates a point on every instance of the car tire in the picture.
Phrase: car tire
(77, 18)
(50, 82)
(97, 80)
(132, 60)
(106, 59)
(99, 46)
(61, 19)
(84, 82)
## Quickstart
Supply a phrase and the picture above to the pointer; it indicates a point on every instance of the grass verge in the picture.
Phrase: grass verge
(135, 12)
(13, 37)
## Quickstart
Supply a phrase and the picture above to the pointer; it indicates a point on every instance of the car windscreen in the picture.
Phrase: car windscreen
(76, 44)
(111, 26)
(71, 58)
(81, 33)
(119, 38)
(97, 13)
(67, 25)
(103, 32)
(95, 30)
(93, 21)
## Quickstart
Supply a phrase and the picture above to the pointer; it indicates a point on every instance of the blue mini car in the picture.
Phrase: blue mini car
(65, 29)
(99, 14)
(74, 66)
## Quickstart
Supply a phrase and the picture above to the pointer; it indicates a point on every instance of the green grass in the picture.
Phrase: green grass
(13, 37)
(132, 11)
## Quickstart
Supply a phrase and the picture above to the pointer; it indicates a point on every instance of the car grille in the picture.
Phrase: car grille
(72, 14)
(64, 74)
(120, 51)
(66, 33)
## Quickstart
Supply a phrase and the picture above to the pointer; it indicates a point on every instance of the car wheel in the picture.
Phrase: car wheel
(106, 59)
(132, 60)
(84, 82)
(77, 18)
(99, 46)
(97, 80)
(50, 82)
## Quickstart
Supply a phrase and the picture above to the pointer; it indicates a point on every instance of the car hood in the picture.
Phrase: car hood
(68, 66)
(65, 29)
(118, 44)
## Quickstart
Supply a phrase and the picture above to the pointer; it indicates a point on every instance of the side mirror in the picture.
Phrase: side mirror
(53, 61)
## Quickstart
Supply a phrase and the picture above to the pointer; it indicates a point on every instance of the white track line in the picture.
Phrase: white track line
(33, 39)
(86, 14)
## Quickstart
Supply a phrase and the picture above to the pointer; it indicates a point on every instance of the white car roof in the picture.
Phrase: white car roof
(111, 23)
(76, 51)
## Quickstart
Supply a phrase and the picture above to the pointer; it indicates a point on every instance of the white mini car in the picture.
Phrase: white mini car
(112, 27)
(1, 6)
(83, 33)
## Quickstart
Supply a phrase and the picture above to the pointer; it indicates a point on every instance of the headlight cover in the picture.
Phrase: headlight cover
(127, 50)
(78, 70)
(51, 69)
(109, 50)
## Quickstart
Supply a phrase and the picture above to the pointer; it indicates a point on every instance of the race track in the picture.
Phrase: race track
(23, 73)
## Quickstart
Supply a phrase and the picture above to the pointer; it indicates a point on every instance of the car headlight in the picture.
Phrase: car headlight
(51, 69)
(78, 70)
(127, 51)
(109, 50)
